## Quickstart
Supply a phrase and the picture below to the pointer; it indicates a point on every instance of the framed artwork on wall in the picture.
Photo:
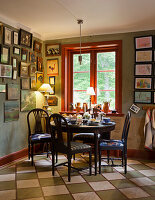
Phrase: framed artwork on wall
(33, 82)
(5, 71)
(25, 84)
(40, 64)
(28, 100)
(40, 77)
(153, 97)
(52, 80)
(32, 70)
(14, 76)
(16, 50)
(52, 67)
(25, 38)
(5, 54)
(2, 88)
(144, 56)
(143, 69)
(24, 69)
(52, 101)
(13, 91)
(24, 54)
(52, 50)
(144, 42)
(15, 38)
(14, 62)
(7, 36)
(142, 97)
(32, 57)
(143, 83)
(37, 46)
(11, 111)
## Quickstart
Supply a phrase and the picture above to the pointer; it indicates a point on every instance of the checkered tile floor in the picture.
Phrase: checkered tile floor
(23, 181)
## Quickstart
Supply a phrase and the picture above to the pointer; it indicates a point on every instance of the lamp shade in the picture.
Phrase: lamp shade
(90, 91)
(45, 88)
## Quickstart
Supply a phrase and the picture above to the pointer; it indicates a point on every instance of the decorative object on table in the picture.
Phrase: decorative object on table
(143, 69)
(24, 54)
(14, 62)
(52, 67)
(106, 105)
(15, 38)
(5, 71)
(14, 76)
(85, 107)
(2, 88)
(28, 100)
(33, 82)
(90, 91)
(37, 46)
(52, 50)
(45, 89)
(143, 83)
(78, 107)
(52, 80)
(13, 91)
(142, 97)
(25, 84)
(40, 64)
(25, 38)
(52, 101)
(144, 56)
(24, 69)
(39, 77)
(16, 50)
(5, 54)
(7, 36)
(134, 108)
(32, 70)
(11, 111)
(144, 42)
(80, 21)
(32, 57)
(71, 107)
(86, 115)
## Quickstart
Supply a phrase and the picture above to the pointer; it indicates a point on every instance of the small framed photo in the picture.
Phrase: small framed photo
(143, 69)
(53, 92)
(2, 88)
(24, 70)
(14, 76)
(25, 38)
(24, 54)
(13, 91)
(40, 64)
(52, 101)
(5, 71)
(39, 77)
(15, 38)
(14, 62)
(142, 97)
(144, 42)
(143, 83)
(33, 82)
(52, 49)
(52, 67)
(11, 111)
(37, 46)
(144, 56)
(153, 97)
(32, 69)
(52, 80)
(5, 54)
(25, 84)
(134, 108)
(16, 50)
(7, 36)
(32, 57)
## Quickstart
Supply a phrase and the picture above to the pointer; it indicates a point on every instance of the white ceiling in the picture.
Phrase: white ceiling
(55, 19)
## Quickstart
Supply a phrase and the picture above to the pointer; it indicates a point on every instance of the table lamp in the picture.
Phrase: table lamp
(46, 89)
(90, 91)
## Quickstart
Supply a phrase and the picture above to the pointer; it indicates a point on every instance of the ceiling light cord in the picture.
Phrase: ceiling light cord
(80, 21)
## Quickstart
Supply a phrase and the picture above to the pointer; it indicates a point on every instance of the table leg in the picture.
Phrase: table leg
(96, 151)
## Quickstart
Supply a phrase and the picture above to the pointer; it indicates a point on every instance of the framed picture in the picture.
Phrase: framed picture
(32, 57)
(5, 54)
(144, 42)
(134, 108)
(143, 69)
(144, 56)
(16, 50)
(52, 80)
(143, 83)
(24, 54)
(33, 82)
(5, 71)
(52, 67)
(14, 76)
(53, 88)
(52, 101)
(25, 84)
(37, 46)
(2, 88)
(7, 36)
(52, 49)
(32, 69)
(11, 111)
(15, 38)
(40, 64)
(28, 100)
(142, 97)
(12, 91)
(24, 69)
(40, 78)
(14, 62)
(25, 38)
(153, 97)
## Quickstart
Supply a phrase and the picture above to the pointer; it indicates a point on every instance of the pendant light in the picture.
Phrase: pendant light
(80, 21)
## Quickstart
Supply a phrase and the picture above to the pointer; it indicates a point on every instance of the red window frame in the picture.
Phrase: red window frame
(67, 70)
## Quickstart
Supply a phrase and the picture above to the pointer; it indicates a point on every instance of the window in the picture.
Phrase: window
(101, 69)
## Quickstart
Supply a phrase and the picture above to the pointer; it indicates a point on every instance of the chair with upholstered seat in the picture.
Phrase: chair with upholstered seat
(38, 130)
(116, 145)
(59, 145)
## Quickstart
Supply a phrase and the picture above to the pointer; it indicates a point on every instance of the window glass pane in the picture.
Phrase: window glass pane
(85, 65)
(106, 78)
(81, 96)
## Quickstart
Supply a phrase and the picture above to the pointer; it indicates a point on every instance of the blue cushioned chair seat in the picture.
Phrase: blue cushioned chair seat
(112, 145)
(40, 136)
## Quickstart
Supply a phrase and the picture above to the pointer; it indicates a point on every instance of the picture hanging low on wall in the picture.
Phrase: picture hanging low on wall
(28, 100)
(11, 111)
(13, 91)
(142, 97)
(5, 71)
(25, 84)
(2, 88)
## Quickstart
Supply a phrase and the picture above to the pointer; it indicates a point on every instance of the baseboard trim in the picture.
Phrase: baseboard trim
(141, 154)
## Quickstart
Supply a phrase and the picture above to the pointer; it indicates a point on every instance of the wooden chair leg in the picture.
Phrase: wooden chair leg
(47, 149)
(53, 162)
(99, 161)
(90, 161)
(108, 155)
(125, 161)
(69, 167)
(32, 154)
(29, 151)
(122, 158)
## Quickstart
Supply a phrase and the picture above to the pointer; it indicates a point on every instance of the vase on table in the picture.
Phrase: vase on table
(106, 106)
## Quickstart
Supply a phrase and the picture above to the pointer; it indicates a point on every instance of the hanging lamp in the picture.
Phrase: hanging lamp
(80, 21)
